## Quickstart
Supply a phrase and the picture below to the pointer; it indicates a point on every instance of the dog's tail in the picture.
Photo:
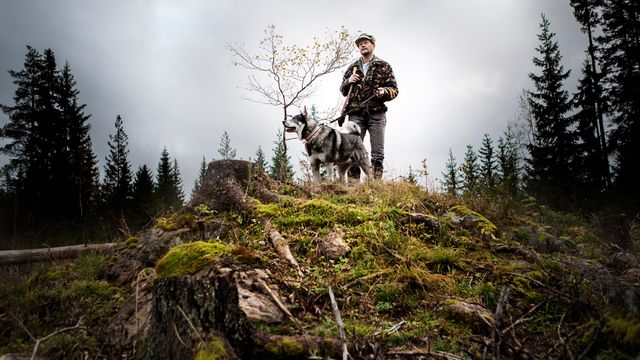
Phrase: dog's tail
(352, 128)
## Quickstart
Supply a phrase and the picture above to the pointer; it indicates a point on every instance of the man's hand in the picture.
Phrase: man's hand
(380, 92)
(354, 78)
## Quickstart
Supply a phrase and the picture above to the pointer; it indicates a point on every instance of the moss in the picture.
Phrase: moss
(132, 242)
(285, 348)
(189, 258)
(176, 221)
(484, 226)
(626, 330)
(213, 350)
(269, 210)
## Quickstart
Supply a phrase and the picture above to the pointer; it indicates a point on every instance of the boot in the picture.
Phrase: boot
(378, 169)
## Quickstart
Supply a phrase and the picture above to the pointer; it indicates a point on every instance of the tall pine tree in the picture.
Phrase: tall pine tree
(470, 171)
(508, 163)
(168, 191)
(553, 151)
(260, 162)
(143, 197)
(451, 176)
(83, 169)
(201, 175)
(117, 181)
(621, 55)
(281, 168)
(487, 163)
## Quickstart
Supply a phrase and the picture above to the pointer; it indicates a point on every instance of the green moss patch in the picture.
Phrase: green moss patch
(189, 258)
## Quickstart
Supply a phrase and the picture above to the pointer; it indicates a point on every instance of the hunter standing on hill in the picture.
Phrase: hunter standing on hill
(372, 83)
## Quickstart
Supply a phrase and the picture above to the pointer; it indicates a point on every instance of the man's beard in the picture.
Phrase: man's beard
(365, 52)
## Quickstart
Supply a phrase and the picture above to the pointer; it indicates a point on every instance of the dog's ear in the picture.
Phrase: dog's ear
(304, 111)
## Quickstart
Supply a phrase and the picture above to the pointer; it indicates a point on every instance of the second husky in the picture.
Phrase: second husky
(326, 145)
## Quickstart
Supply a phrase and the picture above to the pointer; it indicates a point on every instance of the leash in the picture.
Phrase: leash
(341, 117)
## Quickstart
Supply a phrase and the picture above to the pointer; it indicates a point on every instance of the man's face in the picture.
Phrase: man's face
(365, 47)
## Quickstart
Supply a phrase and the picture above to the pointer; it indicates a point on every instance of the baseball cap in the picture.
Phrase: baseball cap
(365, 36)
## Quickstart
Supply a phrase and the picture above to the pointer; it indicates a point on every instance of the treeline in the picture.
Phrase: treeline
(50, 186)
(574, 151)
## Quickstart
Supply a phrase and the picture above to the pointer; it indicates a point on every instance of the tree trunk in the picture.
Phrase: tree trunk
(189, 314)
(12, 257)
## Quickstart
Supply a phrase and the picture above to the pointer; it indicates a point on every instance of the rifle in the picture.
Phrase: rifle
(343, 111)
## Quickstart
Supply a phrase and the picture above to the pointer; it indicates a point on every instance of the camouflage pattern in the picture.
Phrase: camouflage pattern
(379, 75)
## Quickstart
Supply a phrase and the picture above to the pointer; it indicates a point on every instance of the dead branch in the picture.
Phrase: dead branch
(595, 337)
(278, 302)
(545, 286)
(193, 328)
(59, 331)
(415, 354)
(523, 317)
(336, 314)
(282, 247)
(562, 341)
(13, 257)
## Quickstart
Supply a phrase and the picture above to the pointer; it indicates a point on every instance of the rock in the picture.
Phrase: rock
(622, 261)
(544, 242)
(475, 316)
(333, 246)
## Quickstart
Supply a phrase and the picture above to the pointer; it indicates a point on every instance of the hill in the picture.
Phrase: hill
(251, 268)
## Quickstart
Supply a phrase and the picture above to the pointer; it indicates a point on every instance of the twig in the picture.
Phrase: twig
(41, 340)
(278, 302)
(367, 277)
(175, 330)
(564, 344)
(190, 324)
(498, 315)
(391, 329)
(336, 314)
(23, 327)
(282, 246)
(523, 317)
(413, 354)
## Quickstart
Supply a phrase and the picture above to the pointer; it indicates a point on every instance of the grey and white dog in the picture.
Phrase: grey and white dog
(326, 145)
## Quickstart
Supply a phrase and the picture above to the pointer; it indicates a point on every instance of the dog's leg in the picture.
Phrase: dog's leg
(330, 172)
(315, 170)
(365, 165)
(342, 172)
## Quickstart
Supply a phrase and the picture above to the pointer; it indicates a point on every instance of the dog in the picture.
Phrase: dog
(326, 145)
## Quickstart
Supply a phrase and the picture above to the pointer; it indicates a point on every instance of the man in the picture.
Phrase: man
(372, 80)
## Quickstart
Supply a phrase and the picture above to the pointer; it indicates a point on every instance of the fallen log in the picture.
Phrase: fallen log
(13, 257)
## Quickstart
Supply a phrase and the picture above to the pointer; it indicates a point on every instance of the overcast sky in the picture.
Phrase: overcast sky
(163, 66)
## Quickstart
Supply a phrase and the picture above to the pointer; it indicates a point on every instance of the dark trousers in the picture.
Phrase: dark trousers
(373, 123)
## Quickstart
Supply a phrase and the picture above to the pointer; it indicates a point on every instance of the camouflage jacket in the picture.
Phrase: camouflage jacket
(379, 75)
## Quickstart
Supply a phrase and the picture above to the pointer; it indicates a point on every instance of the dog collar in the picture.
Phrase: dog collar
(312, 135)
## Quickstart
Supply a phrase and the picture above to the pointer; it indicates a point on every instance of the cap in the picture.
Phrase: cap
(365, 36)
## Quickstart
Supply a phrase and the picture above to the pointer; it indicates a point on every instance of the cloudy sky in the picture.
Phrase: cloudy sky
(162, 65)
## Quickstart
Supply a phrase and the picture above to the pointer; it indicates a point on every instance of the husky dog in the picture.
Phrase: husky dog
(326, 145)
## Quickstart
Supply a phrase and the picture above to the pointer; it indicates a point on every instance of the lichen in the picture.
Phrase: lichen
(189, 258)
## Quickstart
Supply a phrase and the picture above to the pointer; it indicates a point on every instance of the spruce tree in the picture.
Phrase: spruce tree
(82, 164)
(508, 167)
(553, 150)
(487, 163)
(201, 176)
(26, 168)
(412, 178)
(168, 192)
(225, 150)
(451, 176)
(117, 179)
(592, 171)
(281, 168)
(621, 55)
(143, 196)
(470, 171)
(591, 100)
(261, 162)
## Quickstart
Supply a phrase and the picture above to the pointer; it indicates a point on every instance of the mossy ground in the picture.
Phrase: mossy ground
(49, 296)
(390, 287)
